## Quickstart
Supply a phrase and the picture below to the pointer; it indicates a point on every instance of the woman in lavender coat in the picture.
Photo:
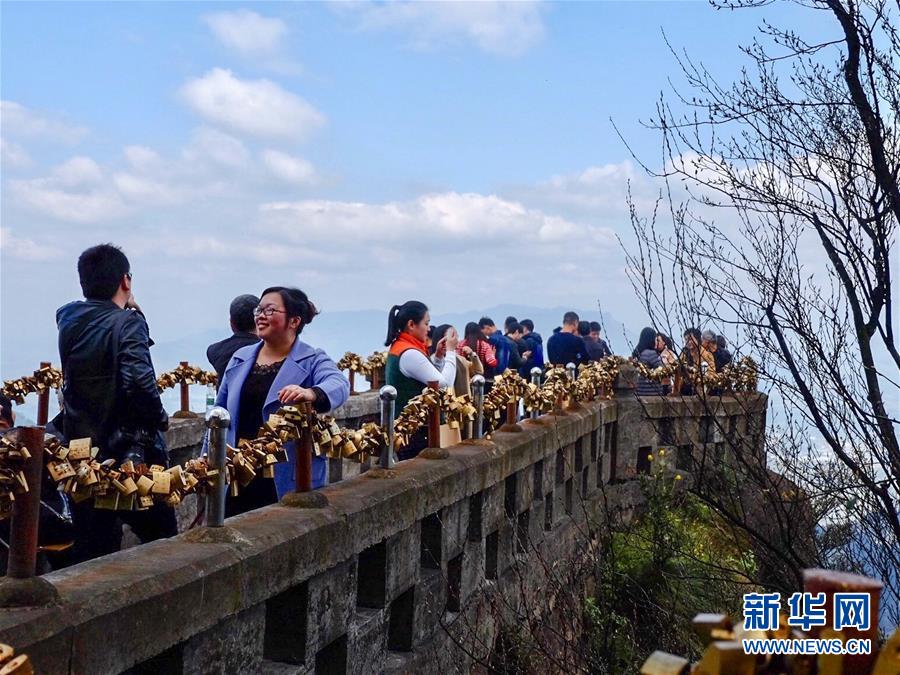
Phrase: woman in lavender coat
(279, 370)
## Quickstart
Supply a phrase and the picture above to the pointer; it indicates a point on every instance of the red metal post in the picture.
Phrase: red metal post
(512, 412)
(434, 422)
(303, 459)
(24, 525)
(43, 412)
(560, 410)
(185, 397)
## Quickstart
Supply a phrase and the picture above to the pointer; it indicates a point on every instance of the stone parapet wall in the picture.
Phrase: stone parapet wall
(393, 576)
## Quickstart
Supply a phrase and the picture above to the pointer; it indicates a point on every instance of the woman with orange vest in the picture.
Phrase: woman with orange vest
(408, 369)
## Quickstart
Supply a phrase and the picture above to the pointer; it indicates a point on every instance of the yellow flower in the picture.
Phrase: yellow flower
(677, 476)
(649, 458)
(662, 452)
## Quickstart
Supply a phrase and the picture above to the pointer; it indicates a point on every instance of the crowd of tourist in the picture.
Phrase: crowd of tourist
(706, 352)
(110, 394)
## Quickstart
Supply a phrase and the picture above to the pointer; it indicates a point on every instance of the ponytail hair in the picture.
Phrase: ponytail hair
(400, 315)
(296, 303)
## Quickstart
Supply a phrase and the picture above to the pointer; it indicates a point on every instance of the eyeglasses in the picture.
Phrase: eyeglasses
(266, 311)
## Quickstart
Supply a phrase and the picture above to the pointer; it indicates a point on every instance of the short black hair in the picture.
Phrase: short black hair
(6, 410)
(100, 271)
(485, 321)
(595, 326)
(528, 323)
(514, 327)
(295, 304)
(584, 328)
(509, 321)
(570, 317)
(693, 331)
(241, 311)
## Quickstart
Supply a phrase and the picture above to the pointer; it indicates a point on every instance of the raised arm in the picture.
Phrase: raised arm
(414, 364)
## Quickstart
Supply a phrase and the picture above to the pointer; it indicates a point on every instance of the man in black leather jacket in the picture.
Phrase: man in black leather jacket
(110, 394)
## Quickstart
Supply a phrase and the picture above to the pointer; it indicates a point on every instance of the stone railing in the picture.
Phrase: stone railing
(394, 575)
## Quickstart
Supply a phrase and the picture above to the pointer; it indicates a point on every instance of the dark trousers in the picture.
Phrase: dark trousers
(99, 531)
(417, 444)
(257, 493)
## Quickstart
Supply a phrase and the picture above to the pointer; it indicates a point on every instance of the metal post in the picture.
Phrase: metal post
(26, 509)
(217, 421)
(388, 396)
(536, 381)
(572, 372)
(478, 395)
(43, 412)
(512, 412)
(434, 421)
(185, 393)
(303, 458)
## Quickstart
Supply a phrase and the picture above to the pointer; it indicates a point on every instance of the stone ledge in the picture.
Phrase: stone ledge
(148, 599)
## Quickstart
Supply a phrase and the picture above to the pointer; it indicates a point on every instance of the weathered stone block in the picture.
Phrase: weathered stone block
(403, 551)
(506, 545)
(430, 603)
(455, 519)
(492, 507)
(472, 570)
(331, 604)
(234, 645)
(367, 641)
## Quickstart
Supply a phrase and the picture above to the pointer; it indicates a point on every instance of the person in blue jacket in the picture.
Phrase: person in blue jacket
(279, 370)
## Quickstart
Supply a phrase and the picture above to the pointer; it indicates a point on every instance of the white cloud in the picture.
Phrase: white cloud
(247, 31)
(507, 28)
(18, 121)
(599, 189)
(26, 249)
(138, 188)
(77, 191)
(213, 146)
(290, 169)
(254, 107)
(215, 246)
(435, 220)
(48, 196)
(12, 155)
(78, 171)
(142, 158)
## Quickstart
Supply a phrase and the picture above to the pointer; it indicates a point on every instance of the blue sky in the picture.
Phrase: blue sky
(369, 153)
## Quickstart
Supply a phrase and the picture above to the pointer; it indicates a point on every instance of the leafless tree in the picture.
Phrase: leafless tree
(783, 192)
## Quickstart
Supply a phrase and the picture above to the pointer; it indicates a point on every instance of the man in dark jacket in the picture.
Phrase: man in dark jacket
(534, 343)
(722, 356)
(110, 393)
(517, 356)
(243, 328)
(593, 349)
(566, 346)
(604, 349)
